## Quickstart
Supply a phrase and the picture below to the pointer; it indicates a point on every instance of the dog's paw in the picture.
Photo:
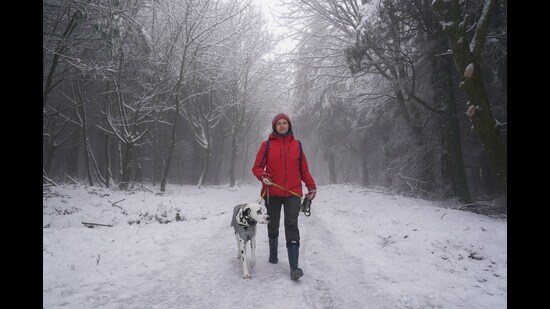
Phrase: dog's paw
(247, 276)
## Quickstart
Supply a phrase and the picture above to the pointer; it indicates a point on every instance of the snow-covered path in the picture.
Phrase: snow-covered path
(359, 249)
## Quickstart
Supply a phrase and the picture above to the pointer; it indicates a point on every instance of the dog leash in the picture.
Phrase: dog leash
(276, 185)
(305, 207)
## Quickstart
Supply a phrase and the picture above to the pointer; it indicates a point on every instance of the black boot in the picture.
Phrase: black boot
(273, 243)
(293, 248)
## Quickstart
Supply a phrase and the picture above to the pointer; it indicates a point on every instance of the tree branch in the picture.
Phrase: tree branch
(91, 225)
(482, 28)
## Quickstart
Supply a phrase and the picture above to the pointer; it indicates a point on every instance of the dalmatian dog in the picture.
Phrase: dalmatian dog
(244, 220)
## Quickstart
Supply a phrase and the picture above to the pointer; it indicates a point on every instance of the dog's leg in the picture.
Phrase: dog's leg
(238, 245)
(242, 250)
(253, 251)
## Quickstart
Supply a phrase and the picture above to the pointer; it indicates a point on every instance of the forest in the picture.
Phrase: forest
(407, 96)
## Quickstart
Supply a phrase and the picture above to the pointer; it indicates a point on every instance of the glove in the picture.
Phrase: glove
(266, 178)
(311, 194)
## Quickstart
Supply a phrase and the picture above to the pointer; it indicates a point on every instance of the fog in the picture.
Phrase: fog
(400, 97)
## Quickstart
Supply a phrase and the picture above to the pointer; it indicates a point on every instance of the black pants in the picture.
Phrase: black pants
(292, 209)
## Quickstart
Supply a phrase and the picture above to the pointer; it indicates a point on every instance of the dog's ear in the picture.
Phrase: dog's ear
(243, 212)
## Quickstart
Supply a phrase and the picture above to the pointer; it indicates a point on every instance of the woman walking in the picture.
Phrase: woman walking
(281, 166)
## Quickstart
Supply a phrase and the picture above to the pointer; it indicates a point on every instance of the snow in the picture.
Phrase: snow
(360, 248)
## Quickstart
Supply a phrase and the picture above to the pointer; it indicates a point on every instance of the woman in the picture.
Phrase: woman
(281, 166)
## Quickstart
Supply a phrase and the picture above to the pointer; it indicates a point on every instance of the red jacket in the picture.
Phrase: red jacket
(282, 164)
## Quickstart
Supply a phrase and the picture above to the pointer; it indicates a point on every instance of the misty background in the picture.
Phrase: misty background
(406, 95)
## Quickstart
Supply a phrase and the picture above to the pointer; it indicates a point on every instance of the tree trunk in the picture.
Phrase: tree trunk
(233, 157)
(204, 173)
(220, 160)
(107, 147)
(138, 175)
(452, 163)
(487, 180)
(386, 155)
(331, 167)
(51, 146)
(155, 154)
(484, 124)
(49, 158)
(59, 50)
(423, 171)
(120, 160)
(176, 115)
(171, 148)
(107, 156)
(127, 165)
(467, 61)
(73, 154)
(181, 171)
(365, 162)
(476, 179)
(245, 161)
(85, 135)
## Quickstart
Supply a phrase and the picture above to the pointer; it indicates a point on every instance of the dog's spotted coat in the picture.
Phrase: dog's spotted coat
(243, 220)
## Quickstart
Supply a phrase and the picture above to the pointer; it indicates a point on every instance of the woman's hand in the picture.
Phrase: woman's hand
(311, 194)
(266, 178)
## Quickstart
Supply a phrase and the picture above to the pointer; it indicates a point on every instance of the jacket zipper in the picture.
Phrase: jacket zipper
(284, 154)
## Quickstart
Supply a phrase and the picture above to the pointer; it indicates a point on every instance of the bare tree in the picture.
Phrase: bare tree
(60, 19)
(135, 107)
(220, 84)
(246, 81)
(196, 29)
(132, 68)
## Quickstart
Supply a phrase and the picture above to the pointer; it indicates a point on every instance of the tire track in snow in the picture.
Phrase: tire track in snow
(182, 275)
(339, 286)
(202, 267)
(195, 272)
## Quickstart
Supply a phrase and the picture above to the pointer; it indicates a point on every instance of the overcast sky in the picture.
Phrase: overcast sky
(269, 8)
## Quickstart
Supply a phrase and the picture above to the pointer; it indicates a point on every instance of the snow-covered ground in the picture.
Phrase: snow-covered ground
(360, 248)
